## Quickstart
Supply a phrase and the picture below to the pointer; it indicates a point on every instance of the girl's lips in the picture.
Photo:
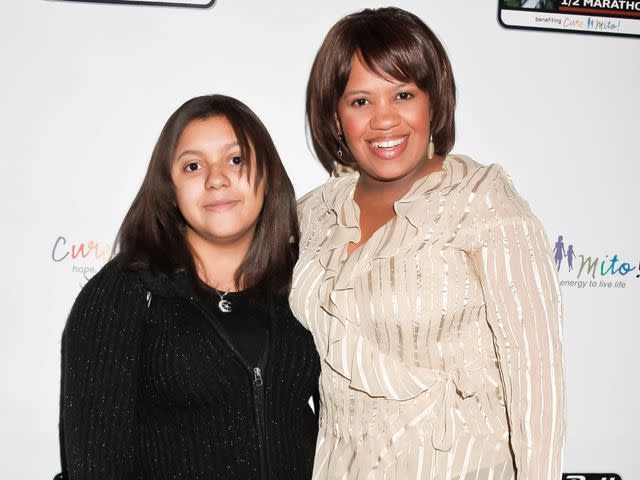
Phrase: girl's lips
(222, 206)
(388, 149)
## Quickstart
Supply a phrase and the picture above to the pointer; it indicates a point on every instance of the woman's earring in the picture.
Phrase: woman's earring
(430, 148)
(340, 142)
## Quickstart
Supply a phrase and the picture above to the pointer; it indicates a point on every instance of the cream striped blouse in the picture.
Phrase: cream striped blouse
(441, 335)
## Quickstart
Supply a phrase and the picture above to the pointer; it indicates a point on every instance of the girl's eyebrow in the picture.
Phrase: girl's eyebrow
(356, 92)
(189, 152)
(226, 146)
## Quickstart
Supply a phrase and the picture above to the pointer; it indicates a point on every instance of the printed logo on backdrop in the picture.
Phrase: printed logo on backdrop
(156, 3)
(83, 258)
(581, 269)
(605, 17)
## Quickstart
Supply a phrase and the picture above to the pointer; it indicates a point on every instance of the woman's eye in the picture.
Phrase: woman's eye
(237, 160)
(192, 167)
(405, 96)
(359, 102)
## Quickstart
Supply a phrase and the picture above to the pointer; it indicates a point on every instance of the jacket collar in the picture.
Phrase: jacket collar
(178, 285)
(173, 285)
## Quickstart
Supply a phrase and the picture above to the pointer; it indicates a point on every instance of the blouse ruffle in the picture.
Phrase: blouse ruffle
(386, 376)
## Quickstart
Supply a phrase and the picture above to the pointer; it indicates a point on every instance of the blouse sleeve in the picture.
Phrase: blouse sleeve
(521, 290)
(100, 351)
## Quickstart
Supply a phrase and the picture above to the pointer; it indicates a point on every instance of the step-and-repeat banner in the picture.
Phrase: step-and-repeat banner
(87, 86)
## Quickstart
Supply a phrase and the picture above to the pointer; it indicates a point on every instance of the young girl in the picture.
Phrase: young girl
(181, 358)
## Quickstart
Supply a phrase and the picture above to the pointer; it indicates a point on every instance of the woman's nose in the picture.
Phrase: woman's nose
(384, 116)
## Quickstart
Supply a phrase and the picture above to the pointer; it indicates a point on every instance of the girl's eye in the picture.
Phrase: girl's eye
(359, 102)
(237, 160)
(192, 167)
(405, 96)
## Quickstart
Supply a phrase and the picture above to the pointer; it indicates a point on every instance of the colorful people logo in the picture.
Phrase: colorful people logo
(560, 253)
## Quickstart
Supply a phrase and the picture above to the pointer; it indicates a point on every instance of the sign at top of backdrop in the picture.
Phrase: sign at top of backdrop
(158, 3)
(603, 17)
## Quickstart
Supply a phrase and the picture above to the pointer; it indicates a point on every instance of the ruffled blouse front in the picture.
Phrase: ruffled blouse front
(440, 334)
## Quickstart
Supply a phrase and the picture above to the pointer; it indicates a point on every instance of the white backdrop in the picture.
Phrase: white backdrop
(85, 90)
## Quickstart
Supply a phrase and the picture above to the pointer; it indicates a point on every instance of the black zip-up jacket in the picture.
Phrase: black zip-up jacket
(152, 388)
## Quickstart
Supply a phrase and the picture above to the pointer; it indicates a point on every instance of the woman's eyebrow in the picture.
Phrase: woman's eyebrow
(397, 86)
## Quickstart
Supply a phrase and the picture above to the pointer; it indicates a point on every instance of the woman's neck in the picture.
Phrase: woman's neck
(373, 191)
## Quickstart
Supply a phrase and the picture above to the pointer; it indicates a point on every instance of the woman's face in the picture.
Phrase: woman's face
(385, 124)
(213, 192)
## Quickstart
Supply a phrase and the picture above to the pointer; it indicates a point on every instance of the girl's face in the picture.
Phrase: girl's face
(386, 125)
(214, 195)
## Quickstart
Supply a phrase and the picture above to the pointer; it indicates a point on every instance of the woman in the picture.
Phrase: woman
(181, 358)
(424, 277)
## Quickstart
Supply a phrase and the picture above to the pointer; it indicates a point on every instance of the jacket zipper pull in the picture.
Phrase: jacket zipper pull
(148, 298)
(257, 377)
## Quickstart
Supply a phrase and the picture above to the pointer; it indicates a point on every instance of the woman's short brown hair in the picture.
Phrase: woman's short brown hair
(394, 44)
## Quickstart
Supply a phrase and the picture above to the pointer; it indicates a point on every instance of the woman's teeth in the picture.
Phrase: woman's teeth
(387, 143)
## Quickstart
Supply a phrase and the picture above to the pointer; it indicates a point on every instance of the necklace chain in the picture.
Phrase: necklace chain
(224, 305)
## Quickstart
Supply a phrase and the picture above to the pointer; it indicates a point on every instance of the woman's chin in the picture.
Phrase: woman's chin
(387, 173)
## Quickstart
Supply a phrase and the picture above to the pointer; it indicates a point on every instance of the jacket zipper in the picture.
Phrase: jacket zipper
(258, 395)
(257, 385)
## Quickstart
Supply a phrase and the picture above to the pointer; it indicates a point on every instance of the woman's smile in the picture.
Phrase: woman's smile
(388, 149)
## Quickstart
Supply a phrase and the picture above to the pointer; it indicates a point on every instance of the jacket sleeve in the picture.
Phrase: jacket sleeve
(100, 355)
(521, 290)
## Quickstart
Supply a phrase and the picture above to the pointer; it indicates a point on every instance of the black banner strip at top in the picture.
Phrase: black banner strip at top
(147, 4)
(591, 476)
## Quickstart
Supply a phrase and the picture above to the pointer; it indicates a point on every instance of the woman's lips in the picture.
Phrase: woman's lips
(388, 148)
(221, 206)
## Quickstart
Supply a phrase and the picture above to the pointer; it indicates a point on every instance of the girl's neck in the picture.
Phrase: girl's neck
(217, 263)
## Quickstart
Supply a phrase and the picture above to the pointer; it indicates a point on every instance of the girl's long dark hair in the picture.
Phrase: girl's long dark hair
(152, 235)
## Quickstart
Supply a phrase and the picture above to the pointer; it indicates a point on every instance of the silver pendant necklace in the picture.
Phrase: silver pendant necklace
(224, 305)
